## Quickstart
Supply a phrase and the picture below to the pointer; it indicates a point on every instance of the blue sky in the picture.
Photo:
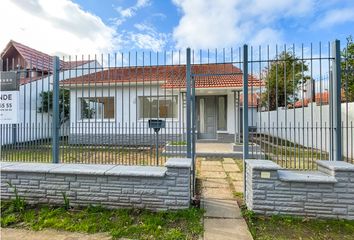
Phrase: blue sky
(94, 26)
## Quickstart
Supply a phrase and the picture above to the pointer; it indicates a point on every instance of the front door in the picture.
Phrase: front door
(206, 112)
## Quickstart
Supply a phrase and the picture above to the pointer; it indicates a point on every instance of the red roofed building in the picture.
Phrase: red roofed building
(130, 96)
(104, 102)
(35, 76)
(32, 63)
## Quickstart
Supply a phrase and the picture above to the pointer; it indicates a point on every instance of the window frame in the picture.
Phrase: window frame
(80, 99)
(160, 97)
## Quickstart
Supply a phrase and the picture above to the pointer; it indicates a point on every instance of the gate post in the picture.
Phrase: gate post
(55, 102)
(245, 114)
(188, 98)
(190, 118)
(335, 102)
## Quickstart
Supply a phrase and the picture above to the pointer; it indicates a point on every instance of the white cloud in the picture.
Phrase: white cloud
(273, 9)
(334, 17)
(147, 41)
(130, 11)
(55, 27)
(148, 38)
(224, 23)
(266, 35)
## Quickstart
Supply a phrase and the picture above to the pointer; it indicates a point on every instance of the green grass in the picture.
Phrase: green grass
(287, 227)
(180, 143)
(83, 154)
(128, 223)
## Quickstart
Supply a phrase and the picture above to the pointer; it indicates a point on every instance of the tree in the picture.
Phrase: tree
(347, 67)
(64, 104)
(282, 81)
(86, 110)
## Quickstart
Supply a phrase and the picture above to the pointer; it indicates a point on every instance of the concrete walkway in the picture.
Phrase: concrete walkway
(223, 218)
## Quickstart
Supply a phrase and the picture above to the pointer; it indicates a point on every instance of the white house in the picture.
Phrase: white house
(113, 106)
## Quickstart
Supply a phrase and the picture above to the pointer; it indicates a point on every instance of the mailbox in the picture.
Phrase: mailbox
(157, 124)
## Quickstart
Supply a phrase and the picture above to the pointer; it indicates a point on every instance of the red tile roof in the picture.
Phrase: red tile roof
(300, 103)
(38, 60)
(320, 99)
(214, 76)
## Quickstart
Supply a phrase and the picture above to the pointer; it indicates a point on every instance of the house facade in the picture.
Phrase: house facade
(113, 106)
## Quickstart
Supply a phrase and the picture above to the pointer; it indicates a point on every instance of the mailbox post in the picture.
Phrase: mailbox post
(157, 124)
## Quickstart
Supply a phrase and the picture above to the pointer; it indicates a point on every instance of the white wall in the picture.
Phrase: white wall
(126, 109)
(307, 134)
(34, 125)
(126, 106)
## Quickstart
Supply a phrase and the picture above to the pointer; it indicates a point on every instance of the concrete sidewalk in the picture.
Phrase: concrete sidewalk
(222, 219)
(48, 234)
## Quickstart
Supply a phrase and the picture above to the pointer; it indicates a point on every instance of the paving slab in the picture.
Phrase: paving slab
(228, 160)
(211, 168)
(226, 229)
(236, 176)
(220, 208)
(217, 193)
(215, 183)
(211, 163)
(208, 174)
(214, 148)
(238, 186)
(231, 167)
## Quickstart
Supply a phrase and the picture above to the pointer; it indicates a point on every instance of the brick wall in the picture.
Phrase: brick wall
(112, 186)
(326, 193)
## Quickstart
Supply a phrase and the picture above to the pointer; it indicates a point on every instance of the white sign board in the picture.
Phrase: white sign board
(9, 107)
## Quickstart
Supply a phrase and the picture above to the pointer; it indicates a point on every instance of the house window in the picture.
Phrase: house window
(222, 113)
(97, 108)
(158, 107)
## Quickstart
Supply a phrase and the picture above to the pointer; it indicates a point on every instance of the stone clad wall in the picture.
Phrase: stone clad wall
(112, 186)
(326, 193)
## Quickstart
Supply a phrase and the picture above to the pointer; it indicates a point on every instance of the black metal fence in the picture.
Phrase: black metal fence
(104, 103)
(304, 104)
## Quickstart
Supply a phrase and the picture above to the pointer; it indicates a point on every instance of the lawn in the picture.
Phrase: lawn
(119, 223)
(84, 154)
(288, 227)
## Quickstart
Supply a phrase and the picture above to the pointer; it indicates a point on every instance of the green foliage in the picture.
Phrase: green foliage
(18, 204)
(86, 111)
(178, 143)
(347, 67)
(120, 223)
(289, 227)
(66, 201)
(46, 103)
(283, 79)
(8, 220)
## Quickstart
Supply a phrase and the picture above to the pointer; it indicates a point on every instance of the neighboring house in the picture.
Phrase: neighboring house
(35, 73)
(113, 106)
